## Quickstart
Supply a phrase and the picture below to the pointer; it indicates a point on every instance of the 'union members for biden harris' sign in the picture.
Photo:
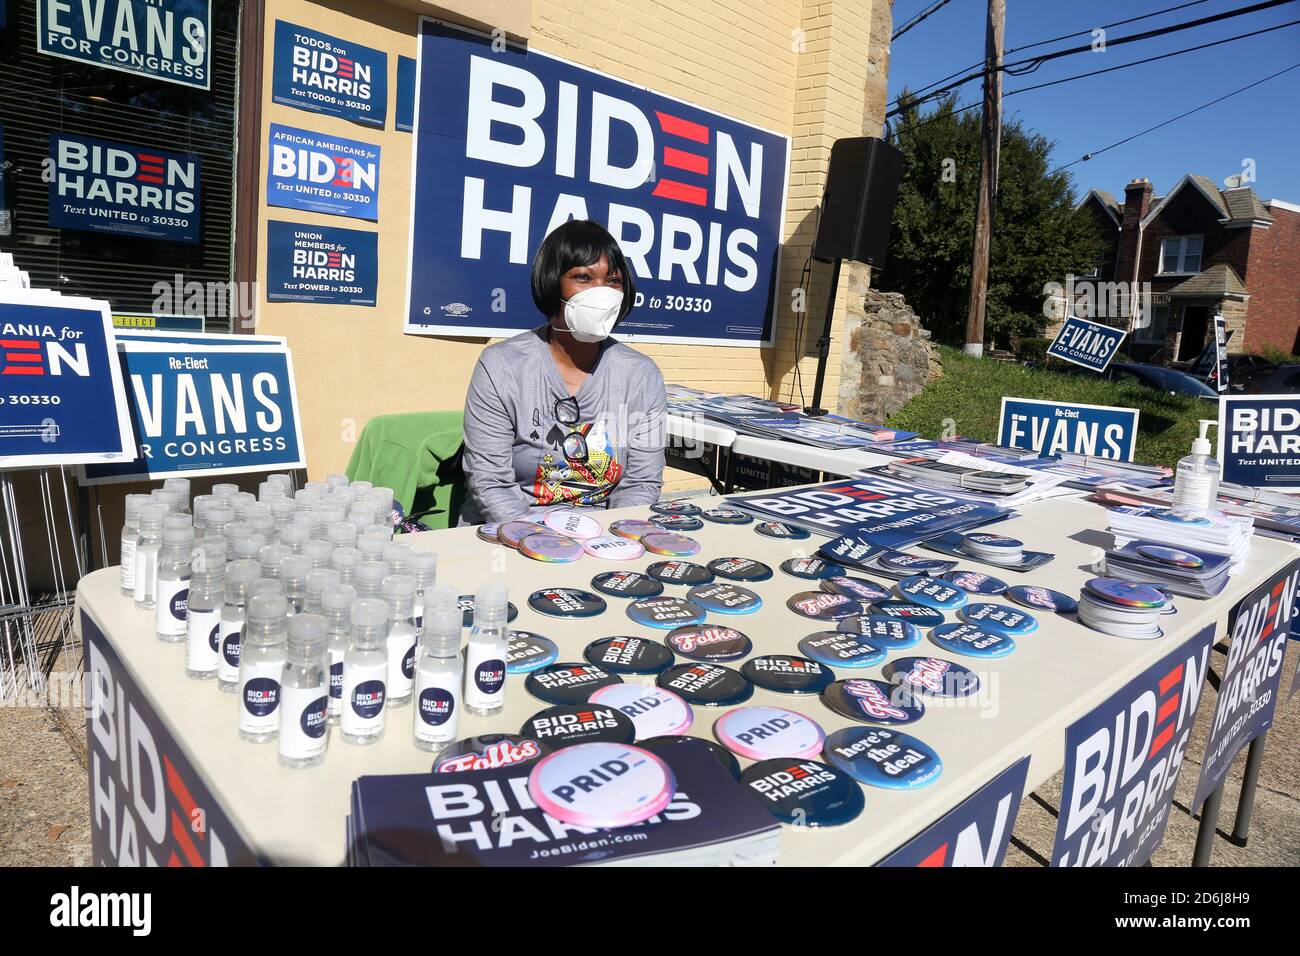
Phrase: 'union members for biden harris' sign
(323, 264)
(1085, 343)
(1259, 440)
(510, 143)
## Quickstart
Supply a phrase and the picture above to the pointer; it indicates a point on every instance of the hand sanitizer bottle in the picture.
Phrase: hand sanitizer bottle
(440, 675)
(485, 654)
(1196, 481)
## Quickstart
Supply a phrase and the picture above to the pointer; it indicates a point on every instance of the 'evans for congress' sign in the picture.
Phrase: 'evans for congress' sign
(1086, 343)
(511, 143)
(1050, 428)
(324, 74)
(319, 173)
(164, 40)
(1259, 440)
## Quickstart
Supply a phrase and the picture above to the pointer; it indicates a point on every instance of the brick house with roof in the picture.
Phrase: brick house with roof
(1205, 250)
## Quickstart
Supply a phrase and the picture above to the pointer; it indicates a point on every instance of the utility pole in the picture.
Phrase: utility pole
(990, 141)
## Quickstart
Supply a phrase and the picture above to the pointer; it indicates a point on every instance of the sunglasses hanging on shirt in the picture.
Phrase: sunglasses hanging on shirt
(567, 413)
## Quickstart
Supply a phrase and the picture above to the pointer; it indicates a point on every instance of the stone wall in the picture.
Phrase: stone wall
(890, 354)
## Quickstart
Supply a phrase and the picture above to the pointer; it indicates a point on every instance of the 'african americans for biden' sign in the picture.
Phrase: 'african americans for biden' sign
(511, 143)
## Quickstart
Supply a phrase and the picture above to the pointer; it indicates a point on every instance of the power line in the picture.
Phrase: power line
(1151, 129)
(932, 8)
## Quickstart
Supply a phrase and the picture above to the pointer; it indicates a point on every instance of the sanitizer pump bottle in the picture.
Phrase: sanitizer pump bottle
(1196, 482)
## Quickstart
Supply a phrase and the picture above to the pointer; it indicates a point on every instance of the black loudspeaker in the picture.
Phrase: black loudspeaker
(858, 205)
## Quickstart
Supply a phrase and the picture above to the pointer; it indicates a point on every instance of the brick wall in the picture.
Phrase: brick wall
(1274, 314)
(1189, 213)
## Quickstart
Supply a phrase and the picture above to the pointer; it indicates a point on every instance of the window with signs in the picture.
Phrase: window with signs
(1180, 254)
(118, 183)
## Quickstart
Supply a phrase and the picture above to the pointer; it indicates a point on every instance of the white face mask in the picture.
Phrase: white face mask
(590, 315)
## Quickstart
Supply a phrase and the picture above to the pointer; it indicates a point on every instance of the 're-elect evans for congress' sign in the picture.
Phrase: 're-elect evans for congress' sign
(319, 173)
(511, 143)
(324, 74)
(164, 40)
(320, 264)
(1049, 428)
(102, 186)
(1085, 343)
(1259, 440)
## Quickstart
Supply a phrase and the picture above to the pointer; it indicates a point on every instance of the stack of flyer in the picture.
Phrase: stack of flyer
(487, 818)
(1215, 533)
(1197, 574)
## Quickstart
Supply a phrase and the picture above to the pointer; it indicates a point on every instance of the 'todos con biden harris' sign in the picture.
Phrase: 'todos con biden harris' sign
(511, 143)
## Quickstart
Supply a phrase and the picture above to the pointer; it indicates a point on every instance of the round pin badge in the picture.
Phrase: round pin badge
(550, 546)
(488, 752)
(779, 529)
(466, 604)
(566, 602)
(626, 584)
(723, 598)
(999, 618)
(812, 569)
(706, 685)
(1175, 557)
(629, 655)
(726, 516)
(675, 508)
(567, 724)
(572, 523)
(668, 746)
(1125, 593)
(528, 651)
(900, 564)
(671, 545)
(740, 569)
(872, 701)
(1043, 599)
(601, 785)
(931, 592)
(883, 757)
(568, 683)
(932, 676)
(890, 633)
(807, 793)
(610, 547)
(787, 674)
(984, 543)
(676, 523)
(488, 532)
(679, 572)
(860, 589)
(972, 641)
(709, 642)
(837, 649)
(760, 733)
(665, 612)
(632, 528)
(510, 533)
(823, 605)
(654, 712)
(973, 582)
(918, 614)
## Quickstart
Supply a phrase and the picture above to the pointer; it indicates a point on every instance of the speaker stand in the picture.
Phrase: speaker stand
(824, 344)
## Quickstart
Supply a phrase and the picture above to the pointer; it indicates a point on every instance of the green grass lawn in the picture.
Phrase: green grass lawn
(968, 399)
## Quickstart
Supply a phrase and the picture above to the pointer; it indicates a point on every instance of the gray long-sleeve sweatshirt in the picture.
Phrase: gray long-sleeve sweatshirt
(513, 442)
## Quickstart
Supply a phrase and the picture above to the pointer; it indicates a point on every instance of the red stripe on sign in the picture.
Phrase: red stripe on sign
(19, 344)
(150, 179)
(676, 126)
(150, 158)
(691, 162)
(174, 860)
(1162, 738)
(181, 792)
(24, 370)
(181, 834)
(1167, 708)
(22, 356)
(1170, 679)
(341, 182)
(669, 189)
(937, 858)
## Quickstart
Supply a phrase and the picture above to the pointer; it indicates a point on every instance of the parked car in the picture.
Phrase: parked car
(1280, 380)
(1240, 366)
(1158, 377)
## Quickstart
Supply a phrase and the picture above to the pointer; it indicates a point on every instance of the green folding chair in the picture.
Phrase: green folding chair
(418, 455)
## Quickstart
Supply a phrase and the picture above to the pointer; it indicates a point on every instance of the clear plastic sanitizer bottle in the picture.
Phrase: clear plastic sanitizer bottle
(399, 592)
(172, 597)
(207, 594)
(304, 694)
(336, 605)
(130, 538)
(440, 673)
(485, 655)
(240, 575)
(294, 569)
(423, 566)
(365, 669)
(261, 660)
(146, 553)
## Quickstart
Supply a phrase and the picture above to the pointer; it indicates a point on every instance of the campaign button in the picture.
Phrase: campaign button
(860, 589)
(740, 569)
(973, 582)
(466, 604)
(823, 605)
(488, 752)
(632, 528)
(665, 612)
(932, 675)
(568, 683)
(654, 712)
(610, 547)
(999, 618)
(1174, 557)
(708, 685)
(679, 572)
(1044, 599)
(787, 674)
(573, 523)
(671, 545)
(760, 733)
(806, 793)
(601, 785)
(707, 642)
(931, 592)
(510, 533)
(528, 651)
(488, 532)
(972, 641)
(726, 516)
(901, 564)
(883, 757)
(1125, 593)
(666, 746)
(779, 529)
(567, 724)
(850, 550)
(723, 598)
(626, 584)
(986, 544)
(837, 649)
(629, 655)
(872, 701)
(548, 546)
(678, 507)
(918, 614)
(676, 523)
(566, 602)
(812, 569)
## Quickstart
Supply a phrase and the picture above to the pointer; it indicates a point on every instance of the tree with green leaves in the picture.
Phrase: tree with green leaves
(1037, 237)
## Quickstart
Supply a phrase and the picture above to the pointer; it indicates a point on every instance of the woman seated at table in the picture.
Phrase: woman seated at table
(563, 414)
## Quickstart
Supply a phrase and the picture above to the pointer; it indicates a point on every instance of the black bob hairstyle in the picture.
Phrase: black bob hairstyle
(579, 242)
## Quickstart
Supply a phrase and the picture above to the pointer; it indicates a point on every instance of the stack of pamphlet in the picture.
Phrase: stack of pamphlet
(1215, 533)
(919, 448)
(1271, 519)
(487, 818)
(1197, 574)
(765, 418)
(924, 471)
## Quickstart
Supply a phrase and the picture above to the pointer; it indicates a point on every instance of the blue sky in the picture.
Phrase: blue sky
(1262, 124)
